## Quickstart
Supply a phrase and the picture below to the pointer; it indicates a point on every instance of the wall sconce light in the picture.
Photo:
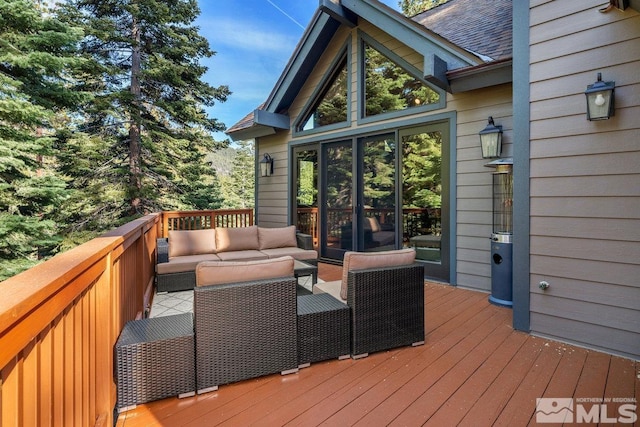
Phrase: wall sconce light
(600, 99)
(491, 140)
(266, 165)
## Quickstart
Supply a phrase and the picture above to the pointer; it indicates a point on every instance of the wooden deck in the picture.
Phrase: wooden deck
(473, 370)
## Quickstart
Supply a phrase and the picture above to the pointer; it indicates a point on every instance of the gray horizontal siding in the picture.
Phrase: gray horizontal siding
(584, 177)
(593, 335)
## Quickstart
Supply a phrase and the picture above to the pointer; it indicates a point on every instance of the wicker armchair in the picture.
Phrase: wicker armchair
(244, 330)
(387, 308)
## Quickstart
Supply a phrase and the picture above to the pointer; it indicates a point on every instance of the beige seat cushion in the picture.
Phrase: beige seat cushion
(237, 239)
(366, 260)
(295, 252)
(248, 255)
(281, 237)
(223, 272)
(192, 242)
(184, 263)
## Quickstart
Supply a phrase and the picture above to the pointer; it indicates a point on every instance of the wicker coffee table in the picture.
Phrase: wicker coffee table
(323, 329)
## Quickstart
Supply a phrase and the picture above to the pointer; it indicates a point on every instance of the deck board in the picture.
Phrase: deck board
(474, 369)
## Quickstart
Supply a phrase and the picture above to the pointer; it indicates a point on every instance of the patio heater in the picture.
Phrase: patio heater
(501, 238)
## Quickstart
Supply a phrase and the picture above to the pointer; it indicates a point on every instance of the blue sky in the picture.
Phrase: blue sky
(253, 41)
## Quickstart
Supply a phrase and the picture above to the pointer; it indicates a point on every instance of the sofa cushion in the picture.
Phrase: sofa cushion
(281, 237)
(296, 253)
(248, 255)
(367, 260)
(237, 239)
(224, 272)
(192, 242)
(383, 238)
(184, 263)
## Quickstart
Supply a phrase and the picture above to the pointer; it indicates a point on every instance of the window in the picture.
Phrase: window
(331, 106)
(389, 87)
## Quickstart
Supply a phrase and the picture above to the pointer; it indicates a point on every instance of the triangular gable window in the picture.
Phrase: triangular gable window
(330, 106)
(390, 87)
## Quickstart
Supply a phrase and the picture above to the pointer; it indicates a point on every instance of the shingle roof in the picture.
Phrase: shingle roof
(245, 123)
(481, 27)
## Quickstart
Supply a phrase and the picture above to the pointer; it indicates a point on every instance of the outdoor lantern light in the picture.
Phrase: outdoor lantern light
(491, 140)
(600, 99)
(266, 165)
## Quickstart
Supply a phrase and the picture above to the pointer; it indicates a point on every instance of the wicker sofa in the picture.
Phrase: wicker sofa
(245, 321)
(183, 250)
(385, 292)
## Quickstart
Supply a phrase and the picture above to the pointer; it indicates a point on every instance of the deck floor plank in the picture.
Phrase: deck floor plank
(620, 385)
(429, 388)
(460, 402)
(489, 406)
(474, 369)
(521, 406)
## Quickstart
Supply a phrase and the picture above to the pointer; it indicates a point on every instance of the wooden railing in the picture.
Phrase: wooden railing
(197, 220)
(60, 320)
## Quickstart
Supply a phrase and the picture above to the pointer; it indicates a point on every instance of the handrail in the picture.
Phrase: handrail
(60, 320)
(196, 220)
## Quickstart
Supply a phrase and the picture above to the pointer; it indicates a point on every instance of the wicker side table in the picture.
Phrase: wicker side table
(323, 329)
(155, 359)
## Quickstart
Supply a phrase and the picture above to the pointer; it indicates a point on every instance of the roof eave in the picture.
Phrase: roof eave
(306, 54)
(263, 123)
(480, 76)
(252, 132)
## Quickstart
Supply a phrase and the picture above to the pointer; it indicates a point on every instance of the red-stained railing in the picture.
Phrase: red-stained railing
(196, 220)
(60, 320)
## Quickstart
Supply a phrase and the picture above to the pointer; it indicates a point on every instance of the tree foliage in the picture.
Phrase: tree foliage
(149, 107)
(239, 185)
(102, 118)
(414, 7)
(36, 59)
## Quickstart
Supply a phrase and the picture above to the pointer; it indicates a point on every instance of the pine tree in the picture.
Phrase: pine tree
(149, 108)
(414, 7)
(243, 175)
(36, 54)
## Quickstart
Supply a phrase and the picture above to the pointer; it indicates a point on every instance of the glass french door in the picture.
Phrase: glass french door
(306, 191)
(377, 197)
(337, 208)
(425, 201)
(378, 193)
(359, 203)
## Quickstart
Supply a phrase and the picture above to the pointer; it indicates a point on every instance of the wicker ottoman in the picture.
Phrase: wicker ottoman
(154, 360)
(323, 329)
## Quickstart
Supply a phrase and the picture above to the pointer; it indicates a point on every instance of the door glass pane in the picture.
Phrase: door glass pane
(379, 222)
(307, 193)
(338, 215)
(422, 194)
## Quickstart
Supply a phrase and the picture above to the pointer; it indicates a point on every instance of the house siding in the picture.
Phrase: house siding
(584, 177)
(474, 180)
